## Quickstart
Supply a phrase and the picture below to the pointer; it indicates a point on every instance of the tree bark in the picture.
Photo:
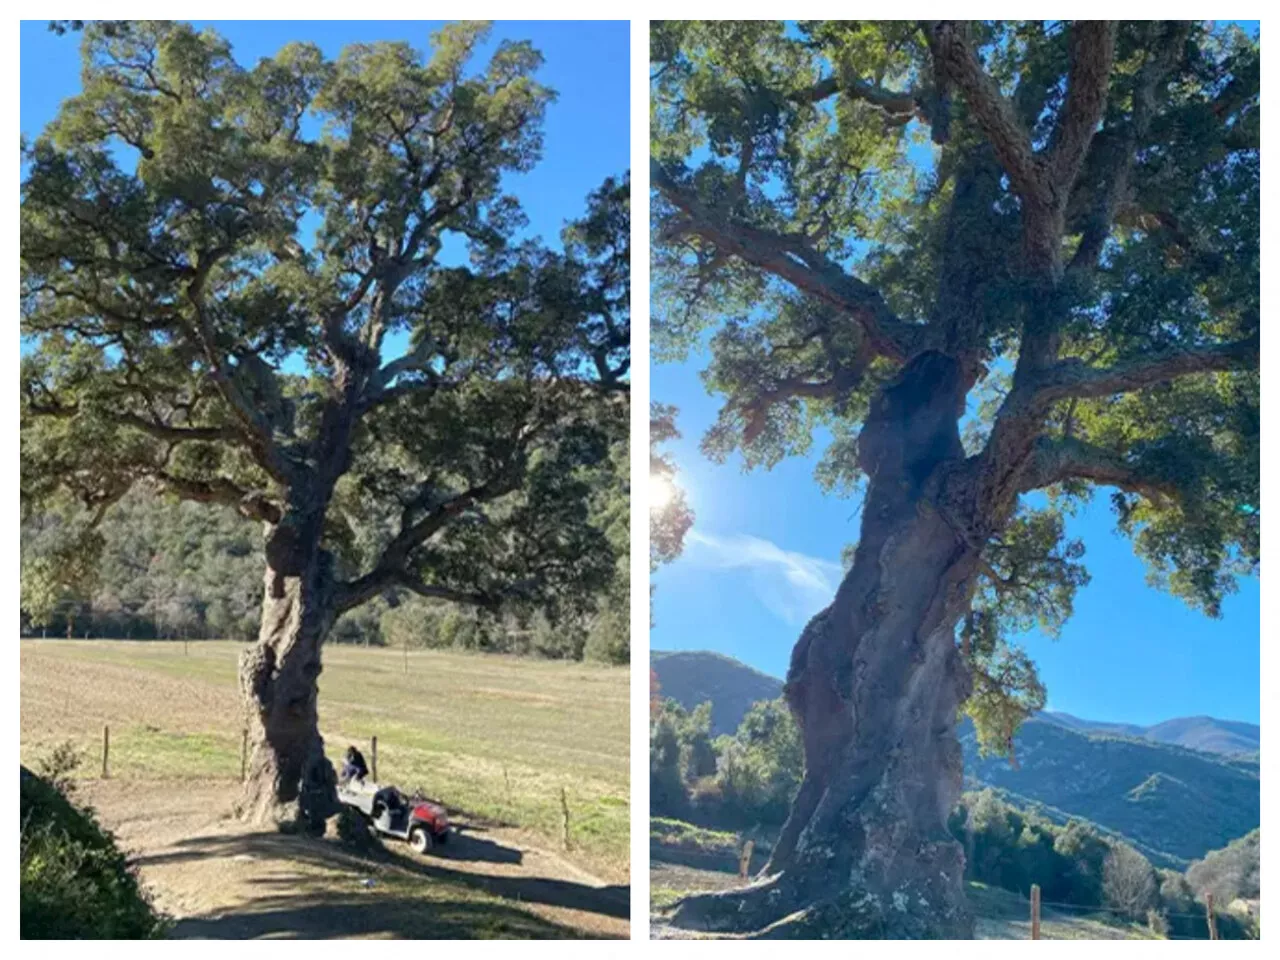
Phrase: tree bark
(289, 778)
(875, 682)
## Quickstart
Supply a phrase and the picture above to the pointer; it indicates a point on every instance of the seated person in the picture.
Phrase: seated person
(354, 768)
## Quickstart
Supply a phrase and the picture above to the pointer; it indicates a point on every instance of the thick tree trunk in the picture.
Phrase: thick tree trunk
(875, 682)
(289, 778)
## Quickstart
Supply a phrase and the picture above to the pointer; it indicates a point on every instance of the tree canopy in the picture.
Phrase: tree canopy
(1068, 211)
(236, 290)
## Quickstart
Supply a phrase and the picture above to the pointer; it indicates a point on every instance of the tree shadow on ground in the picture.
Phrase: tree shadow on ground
(467, 846)
(318, 915)
(611, 901)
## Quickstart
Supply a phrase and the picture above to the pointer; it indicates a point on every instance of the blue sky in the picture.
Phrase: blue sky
(587, 129)
(764, 555)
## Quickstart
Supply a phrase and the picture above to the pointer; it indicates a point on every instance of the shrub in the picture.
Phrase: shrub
(75, 884)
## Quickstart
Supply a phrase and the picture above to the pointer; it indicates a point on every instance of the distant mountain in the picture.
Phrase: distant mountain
(1173, 803)
(690, 678)
(1176, 790)
(1197, 733)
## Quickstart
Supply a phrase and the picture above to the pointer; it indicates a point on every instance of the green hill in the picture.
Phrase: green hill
(1173, 803)
(691, 678)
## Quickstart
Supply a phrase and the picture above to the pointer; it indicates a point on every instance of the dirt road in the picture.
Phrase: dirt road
(220, 879)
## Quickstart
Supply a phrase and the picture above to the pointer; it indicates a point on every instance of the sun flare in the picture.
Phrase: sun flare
(661, 491)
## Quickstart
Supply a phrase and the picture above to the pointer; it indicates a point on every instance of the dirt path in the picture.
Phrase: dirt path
(219, 879)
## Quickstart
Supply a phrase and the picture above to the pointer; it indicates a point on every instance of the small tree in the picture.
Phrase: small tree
(1129, 882)
(217, 265)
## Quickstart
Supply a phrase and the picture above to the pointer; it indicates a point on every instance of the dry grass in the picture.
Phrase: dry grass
(497, 737)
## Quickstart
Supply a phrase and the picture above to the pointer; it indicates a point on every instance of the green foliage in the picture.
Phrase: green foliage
(75, 884)
(1011, 848)
(761, 766)
(1033, 573)
(745, 780)
(681, 753)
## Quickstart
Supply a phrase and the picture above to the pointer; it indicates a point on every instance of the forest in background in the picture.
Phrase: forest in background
(184, 570)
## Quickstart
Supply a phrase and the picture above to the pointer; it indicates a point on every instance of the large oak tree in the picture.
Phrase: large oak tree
(233, 291)
(997, 268)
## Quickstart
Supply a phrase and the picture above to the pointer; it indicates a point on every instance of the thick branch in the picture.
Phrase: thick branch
(1091, 51)
(791, 259)
(959, 62)
(381, 387)
(353, 594)
(54, 409)
(1162, 55)
(1054, 461)
(393, 566)
(899, 106)
(250, 503)
(1074, 378)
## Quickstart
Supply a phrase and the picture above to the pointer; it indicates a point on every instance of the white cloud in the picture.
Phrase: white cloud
(794, 586)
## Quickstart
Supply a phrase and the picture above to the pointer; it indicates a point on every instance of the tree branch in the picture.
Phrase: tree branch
(791, 259)
(1054, 461)
(1074, 378)
(958, 61)
(353, 594)
(393, 566)
(55, 409)
(250, 503)
(1091, 50)
(258, 433)
(1162, 55)
(900, 107)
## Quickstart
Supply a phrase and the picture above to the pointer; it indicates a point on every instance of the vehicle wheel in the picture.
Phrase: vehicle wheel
(421, 840)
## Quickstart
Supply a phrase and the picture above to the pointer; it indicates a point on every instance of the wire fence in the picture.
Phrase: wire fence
(1158, 922)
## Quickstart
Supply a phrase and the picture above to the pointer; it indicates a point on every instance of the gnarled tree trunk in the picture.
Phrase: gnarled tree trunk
(289, 779)
(875, 682)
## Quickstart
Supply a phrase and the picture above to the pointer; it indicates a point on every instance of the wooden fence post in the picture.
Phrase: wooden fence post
(564, 818)
(244, 753)
(744, 859)
(1035, 911)
(374, 771)
(1208, 913)
(106, 748)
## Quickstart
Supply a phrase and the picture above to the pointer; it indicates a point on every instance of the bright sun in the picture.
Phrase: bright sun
(661, 491)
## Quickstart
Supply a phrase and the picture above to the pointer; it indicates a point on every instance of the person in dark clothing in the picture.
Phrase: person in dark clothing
(355, 767)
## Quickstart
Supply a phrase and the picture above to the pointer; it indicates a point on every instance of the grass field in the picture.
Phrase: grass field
(496, 737)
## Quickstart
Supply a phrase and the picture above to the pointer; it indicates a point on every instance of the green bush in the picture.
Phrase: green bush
(75, 884)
